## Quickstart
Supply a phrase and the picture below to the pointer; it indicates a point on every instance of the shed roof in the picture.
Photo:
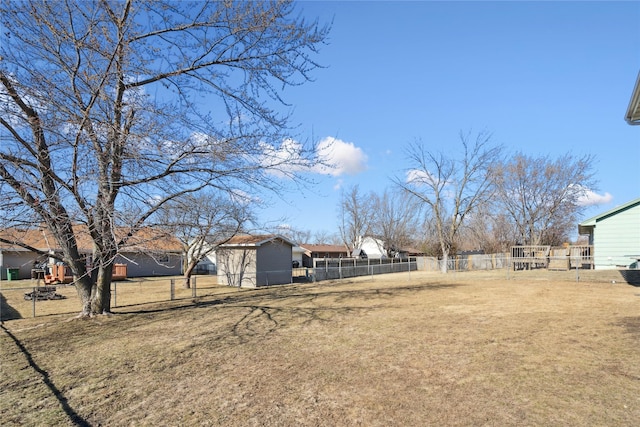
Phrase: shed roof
(248, 240)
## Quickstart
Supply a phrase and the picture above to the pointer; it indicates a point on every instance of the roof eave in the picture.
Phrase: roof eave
(633, 111)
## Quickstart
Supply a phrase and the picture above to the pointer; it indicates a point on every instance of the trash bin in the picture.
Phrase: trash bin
(13, 274)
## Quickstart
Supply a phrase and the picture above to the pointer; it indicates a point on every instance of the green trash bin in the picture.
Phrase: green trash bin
(13, 274)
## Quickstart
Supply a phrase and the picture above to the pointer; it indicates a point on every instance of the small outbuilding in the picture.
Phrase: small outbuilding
(615, 236)
(253, 261)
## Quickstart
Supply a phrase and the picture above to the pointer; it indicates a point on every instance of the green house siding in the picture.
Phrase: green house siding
(616, 236)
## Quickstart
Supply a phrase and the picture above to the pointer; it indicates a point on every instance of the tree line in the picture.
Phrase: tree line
(474, 196)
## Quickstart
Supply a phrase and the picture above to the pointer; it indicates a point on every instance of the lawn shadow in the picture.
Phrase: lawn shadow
(632, 325)
(251, 297)
(264, 312)
(71, 413)
(264, 315)
(7, 312)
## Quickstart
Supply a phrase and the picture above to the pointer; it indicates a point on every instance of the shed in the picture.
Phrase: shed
(253, 261)
(615, 235)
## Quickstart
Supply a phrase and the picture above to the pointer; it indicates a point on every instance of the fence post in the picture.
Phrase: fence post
(173, 289)
(115, 294)
(193, 287)
(33, 299)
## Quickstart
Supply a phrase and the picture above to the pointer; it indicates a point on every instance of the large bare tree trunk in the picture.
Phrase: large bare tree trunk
(84, 287)
(101, 299)
(187, 275)
(444, 267)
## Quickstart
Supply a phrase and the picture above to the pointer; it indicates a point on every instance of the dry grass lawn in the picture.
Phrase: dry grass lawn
(425, 349)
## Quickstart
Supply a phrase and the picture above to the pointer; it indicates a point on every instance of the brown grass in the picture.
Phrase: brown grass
(426, 349)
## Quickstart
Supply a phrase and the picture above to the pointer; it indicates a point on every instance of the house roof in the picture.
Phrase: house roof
(633, 111)
(247, 240)
(587, 225)
(146, 239)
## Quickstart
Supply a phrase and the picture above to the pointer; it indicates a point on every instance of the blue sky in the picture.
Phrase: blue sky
(546, 78)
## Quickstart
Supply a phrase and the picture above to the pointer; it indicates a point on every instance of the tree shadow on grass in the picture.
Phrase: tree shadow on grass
(262, 296)
(71, 413)
(632, 326)
(266, 310)
(6, 311)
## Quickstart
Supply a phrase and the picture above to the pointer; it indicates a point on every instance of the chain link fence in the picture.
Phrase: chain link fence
(26, 298)
(576, 267)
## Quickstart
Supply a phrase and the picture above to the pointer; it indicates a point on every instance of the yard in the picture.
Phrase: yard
(400, 349)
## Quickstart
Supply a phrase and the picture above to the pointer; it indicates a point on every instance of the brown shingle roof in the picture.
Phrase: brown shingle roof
(146, 239)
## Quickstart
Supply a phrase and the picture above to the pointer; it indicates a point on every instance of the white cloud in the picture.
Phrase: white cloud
(336, 158)
(421, 177)
(341, 157)
(591, 198)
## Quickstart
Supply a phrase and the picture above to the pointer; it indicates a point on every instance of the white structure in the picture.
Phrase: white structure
(369, 247)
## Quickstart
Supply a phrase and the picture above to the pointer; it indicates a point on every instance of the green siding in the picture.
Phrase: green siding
(616, 236)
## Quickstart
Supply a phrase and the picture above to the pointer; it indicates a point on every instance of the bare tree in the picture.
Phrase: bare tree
(202, 222)
(293, 234)
(396, 219)
(542, 196)
(488, 229)
(451, 188)
(323, 237)
(112, 109)
(355, 216)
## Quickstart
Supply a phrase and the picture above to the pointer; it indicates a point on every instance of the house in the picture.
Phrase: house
(207, 265)
(369, 247)
(255, 260)
(311, 252)
(615, 236)
(147, 253)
